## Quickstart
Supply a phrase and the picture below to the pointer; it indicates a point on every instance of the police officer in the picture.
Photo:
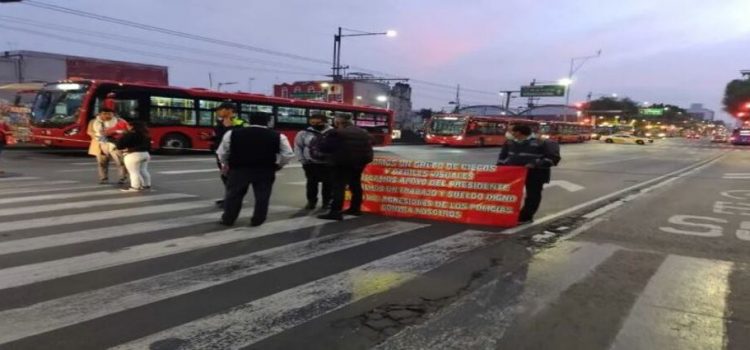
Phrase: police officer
(251, 156)
(523, 149)
(226, 119)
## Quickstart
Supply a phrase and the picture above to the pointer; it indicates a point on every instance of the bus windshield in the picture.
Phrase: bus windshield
(57, 105)
(448, 126)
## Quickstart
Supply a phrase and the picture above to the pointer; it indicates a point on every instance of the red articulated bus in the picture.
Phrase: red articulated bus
(467, 131)
(179, 119)
(564, 132)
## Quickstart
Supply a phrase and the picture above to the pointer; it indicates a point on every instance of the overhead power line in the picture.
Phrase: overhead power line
(151, 54)
(147, 27)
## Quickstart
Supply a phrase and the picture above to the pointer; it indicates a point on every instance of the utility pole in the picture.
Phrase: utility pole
(210, 81)
(507, 95)
(458, 97)
(250, 84)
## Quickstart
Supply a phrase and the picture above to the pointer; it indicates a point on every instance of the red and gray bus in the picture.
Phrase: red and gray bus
(179, 118)
(565, 132)
(465, 130)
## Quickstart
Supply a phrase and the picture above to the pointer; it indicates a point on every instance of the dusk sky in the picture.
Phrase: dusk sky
(674, 51)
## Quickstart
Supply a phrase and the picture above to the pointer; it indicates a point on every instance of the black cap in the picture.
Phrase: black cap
(107, 110)
(227, 105)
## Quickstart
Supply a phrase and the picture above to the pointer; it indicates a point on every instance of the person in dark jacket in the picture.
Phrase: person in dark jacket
(226, 119)
(350, 149)
(522, 149)
(251, 156)
(135, 145)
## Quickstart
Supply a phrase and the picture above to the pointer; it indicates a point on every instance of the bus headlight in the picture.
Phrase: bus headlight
(72, 132)
(459, 138)
(545, 136)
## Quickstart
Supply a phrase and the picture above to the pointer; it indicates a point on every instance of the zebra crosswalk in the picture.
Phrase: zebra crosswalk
(93, 268)
(77, 263)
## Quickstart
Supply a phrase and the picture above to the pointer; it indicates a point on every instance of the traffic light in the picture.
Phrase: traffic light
(7, 1)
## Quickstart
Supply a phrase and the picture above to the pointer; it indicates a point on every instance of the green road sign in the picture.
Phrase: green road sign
(652, 112)
(543, 91)
(307, 95)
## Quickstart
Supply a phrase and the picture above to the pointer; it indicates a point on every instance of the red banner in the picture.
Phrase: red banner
(464, 193)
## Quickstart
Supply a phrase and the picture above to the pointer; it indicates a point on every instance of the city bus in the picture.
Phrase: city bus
(466, 130)
(179, 119)
(565, 132)
(740, 136)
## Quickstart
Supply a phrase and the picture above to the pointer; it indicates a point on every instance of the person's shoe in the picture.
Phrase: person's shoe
(131, 190)
(227, 224)
(310, 206)
(326, 206)
(220, 203)
(122, 181)
(104, 182)
(147, 188)
(256, 223)
(525, 222)
(331, 216)
(353, 212)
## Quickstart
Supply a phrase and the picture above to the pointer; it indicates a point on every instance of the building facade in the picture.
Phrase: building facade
(697, 110)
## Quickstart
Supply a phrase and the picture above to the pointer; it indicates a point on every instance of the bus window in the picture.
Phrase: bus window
(290, 117)
(246, 109)
(207, 112)
(126, 108)
(172, 111)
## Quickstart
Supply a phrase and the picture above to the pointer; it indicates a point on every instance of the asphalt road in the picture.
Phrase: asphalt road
(635, 247)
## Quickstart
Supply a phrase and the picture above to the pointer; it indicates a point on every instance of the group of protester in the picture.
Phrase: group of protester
(333, 159)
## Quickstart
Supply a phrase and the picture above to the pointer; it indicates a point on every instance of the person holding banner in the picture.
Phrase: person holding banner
(538, 156)
(351, 150)
(4, 138)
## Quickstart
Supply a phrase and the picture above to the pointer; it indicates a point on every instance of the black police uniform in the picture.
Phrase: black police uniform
(541, 155)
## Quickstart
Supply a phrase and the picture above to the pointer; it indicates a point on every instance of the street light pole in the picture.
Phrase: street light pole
(573, 70)
(336, 69)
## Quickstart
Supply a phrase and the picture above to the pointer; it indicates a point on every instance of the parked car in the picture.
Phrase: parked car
(625, 138)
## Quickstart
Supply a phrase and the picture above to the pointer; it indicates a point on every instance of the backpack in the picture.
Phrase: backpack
(314, 148)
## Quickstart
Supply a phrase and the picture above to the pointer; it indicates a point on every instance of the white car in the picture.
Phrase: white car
(625, 138)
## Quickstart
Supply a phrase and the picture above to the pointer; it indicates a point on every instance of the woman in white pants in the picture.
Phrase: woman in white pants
(136, 143)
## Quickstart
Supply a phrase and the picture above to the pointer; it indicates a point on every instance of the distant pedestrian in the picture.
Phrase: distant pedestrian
(135, 145)
(104, 131)
(4, 138)
(523, 149)
(316, 164)
(226, 119)
(251, 156)
(350, 149)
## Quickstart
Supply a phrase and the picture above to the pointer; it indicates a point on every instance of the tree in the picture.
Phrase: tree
(737, 96)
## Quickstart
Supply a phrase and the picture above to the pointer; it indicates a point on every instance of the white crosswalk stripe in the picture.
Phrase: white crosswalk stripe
(146, 271)
(4, 180)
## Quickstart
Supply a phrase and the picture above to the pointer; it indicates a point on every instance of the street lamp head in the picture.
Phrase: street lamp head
(565, 81)
(614, 95)
(325, 85)
(391, 33)
(382, 98)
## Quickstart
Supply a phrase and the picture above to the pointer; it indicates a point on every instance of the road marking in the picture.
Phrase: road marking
(550, 273)
(36, 184)
(92, 204)
(49, 270)
(566, 185)
(195, 171)
(297, 183)
(247, 324)
(737, 176)
(608, 161)
(102, 215)
(670, 177)
(20, 178)
(57, 196)
(75, 237)
(682, 307)
(41, 190)
(69, 310)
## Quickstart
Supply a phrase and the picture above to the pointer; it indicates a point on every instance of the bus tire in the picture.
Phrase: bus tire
(174, 143)
(609, 141)
(640, 142)
(481, 142)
